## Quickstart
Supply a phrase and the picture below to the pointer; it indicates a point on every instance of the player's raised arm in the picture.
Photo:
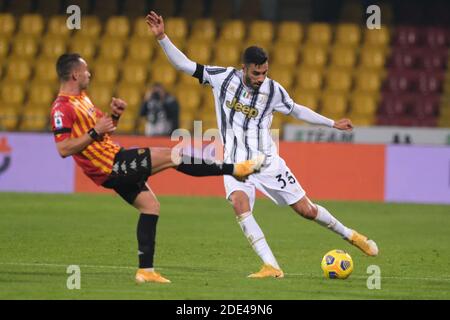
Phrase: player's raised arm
(177, 58)
(118, 107)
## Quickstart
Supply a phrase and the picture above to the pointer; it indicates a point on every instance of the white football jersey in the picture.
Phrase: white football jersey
(244, 116)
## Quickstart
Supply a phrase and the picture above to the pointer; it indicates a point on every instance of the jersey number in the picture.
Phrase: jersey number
(289, 178)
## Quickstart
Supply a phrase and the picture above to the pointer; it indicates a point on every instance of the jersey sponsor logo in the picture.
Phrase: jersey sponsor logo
(57, 118)
(249, 112)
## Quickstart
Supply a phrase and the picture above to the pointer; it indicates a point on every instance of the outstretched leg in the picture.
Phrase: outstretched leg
(307, 209)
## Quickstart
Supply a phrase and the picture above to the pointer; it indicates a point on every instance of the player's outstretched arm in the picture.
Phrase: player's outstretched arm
(177, 58)
(343, 124)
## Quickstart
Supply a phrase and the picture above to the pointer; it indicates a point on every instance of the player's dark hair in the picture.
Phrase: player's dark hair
(65, 65)
(254, 55)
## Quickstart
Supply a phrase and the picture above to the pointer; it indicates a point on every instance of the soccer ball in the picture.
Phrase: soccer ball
(337, 264)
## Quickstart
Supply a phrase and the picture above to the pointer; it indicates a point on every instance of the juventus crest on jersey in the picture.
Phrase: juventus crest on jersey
(244, 115)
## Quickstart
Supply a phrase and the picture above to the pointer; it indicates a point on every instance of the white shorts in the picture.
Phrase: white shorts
(276, 181)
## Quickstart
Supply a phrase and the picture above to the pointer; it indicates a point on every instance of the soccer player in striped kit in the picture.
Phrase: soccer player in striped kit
(245, 101)
(84, 132)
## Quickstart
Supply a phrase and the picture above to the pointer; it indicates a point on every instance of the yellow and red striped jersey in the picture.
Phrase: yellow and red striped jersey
(73, 116)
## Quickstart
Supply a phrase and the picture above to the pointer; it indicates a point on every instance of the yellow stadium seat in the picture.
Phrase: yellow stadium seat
(203, 30)
(134, 73)
(105, 72)
(141, 51)
(348, 34)
(261, 31)
(141, 30)
(319, 34)
(90, 27)
(31, 24)
(25, 46)
(266, 45)
(164, 74)
(41, 94)
(233, 30)
(132, 95)
(12, 93)
(7, 24)
(363, 105)
(338, 79)
(284, 54)
(117, 26)
(34, 120)
(53, 46)
(176, 28)
(18, 69)
(159, 52)
(127, 123)
(377, 37)
(45, 70)
(343, 56)
(334, 104)
(9, 117)
(314, 56)
(372, 57)
(189, 97)
(83, 45)
(307, 98)
(367, 81)
(199, 51)
(309, 78)
(57, 26)
(290, 31)
(187, 80)
(100, 94)
(4, 46)
(111, 49)
(282, 74)
(227, 53)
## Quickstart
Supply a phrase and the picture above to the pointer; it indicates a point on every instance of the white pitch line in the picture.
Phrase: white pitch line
(63, 265)
(383, 277)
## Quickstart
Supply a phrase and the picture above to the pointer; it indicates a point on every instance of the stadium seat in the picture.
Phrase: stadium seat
(7, 24)
(34, 120)
(334, 104)
(407, 36)
(372, 57)
(140, 30)
(437, 37)
(199, 51)
(319, 34)
(233, 30)
(18, 69)
(100, 94)
(430, 81)
(31, 24)
(159, 52)
(261, 31)
(290, 32)
(227, 53)
(85, 46)
(314, 56)
(425, 106)
(401, 80)
(9, 117)
(343, 56)
(309, 78)
(189, 97)
(12, 93)
(282, 74)
(306, 98)
(132, 95)
(185, 79)
(284, 54)
(25, 46)
(367, 81)
(266, 45)
(164, 74)
(176, 28)
(393, 105)
(362, 105)
(377, 37)
(105, 72)
(111, 49)
(4, 47)
(348, 34)
(134, 72)
(203, 30)
(338, 79)
(433, 58)
(41, 94)
(91, 27)
(53, 46)
(403, 57)
(117, 26)
(45, 70)
(140, 51)
(128, 122)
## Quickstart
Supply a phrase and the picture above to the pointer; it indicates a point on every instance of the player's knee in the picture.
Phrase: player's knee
(309, 212)
(152, 207)
(240, 203)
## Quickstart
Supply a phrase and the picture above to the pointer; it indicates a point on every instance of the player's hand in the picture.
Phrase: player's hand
(104, 125)
(118, 106)
(156, 24)
(343, 124)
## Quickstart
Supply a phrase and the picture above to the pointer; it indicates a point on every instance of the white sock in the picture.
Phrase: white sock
(148, 269)
(255, 236)
(325, 219)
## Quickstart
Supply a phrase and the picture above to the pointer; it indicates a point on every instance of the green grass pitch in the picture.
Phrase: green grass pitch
(201, 248)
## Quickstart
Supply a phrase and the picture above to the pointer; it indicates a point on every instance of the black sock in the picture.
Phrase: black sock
(199, 168)
(146, 234)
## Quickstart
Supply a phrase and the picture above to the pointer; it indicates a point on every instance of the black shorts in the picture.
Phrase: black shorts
(130, 172)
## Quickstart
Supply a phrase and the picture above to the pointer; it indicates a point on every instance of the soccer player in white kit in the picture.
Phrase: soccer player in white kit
(245, 101)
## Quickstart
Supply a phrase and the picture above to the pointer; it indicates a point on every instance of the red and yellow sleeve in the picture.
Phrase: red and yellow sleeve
(62, 118)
